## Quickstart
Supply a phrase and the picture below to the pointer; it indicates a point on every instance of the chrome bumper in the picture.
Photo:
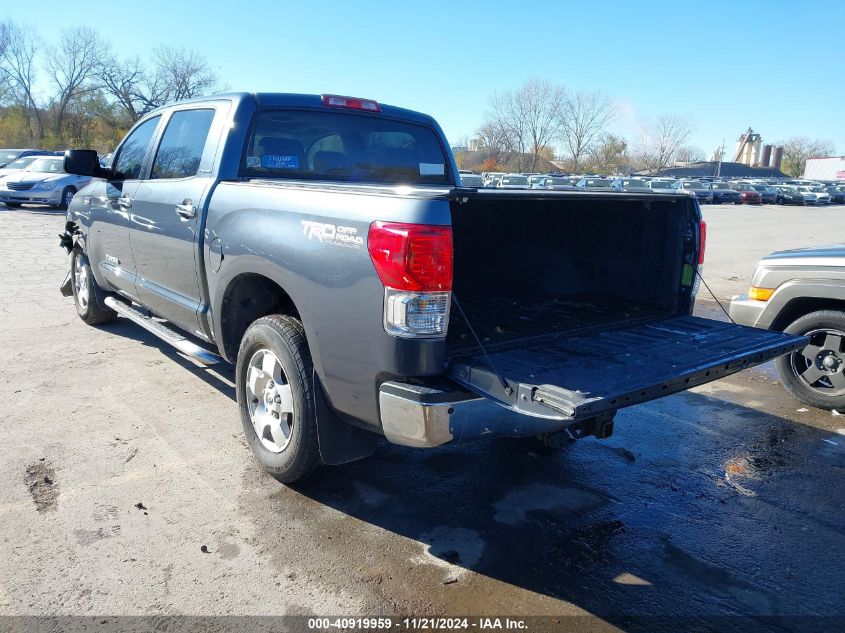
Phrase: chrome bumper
(424, 416)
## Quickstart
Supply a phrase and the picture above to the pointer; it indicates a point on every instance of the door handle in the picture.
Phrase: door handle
(124, 202)
(186, 210)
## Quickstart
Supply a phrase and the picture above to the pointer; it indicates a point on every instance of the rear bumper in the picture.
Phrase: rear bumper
(422, 416)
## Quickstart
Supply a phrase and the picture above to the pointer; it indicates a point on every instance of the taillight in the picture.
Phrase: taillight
(337, 101)
(702, 241)
(414, 262)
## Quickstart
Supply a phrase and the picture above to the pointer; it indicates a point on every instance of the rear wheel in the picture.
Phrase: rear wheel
(275, 392)
(88, 297)
(816, 374)
(13, 205)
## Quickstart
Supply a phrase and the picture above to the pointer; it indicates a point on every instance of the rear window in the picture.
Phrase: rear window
(343, 146)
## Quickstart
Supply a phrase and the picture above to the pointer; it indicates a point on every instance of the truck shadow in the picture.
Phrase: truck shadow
(699, 507)
(696, 506)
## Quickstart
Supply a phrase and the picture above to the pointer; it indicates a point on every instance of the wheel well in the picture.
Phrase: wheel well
(247, 298)
(797, 308)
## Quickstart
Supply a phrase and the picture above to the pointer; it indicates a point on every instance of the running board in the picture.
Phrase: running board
(197, 352)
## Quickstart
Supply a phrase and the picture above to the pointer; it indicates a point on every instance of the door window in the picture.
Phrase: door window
(182, 144)
(130, 156)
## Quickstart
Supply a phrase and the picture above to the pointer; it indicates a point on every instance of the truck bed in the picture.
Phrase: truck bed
(519, 317)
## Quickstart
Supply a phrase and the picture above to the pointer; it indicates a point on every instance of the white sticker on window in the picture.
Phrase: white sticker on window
(432, 169)
(253, 161)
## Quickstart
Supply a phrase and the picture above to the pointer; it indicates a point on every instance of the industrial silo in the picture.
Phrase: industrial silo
(766, 160)
(777, 158)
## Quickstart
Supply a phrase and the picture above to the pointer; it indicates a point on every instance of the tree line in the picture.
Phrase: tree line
(93, 96)
(524, 129)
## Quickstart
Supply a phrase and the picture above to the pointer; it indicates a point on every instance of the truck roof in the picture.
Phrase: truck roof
(294, 100)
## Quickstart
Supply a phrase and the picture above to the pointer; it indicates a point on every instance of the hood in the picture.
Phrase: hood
(833, 255)
(32, 176)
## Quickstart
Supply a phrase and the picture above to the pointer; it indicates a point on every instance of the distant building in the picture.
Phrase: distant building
(829, 168)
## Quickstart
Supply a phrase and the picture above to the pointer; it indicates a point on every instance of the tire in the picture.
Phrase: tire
(88, 297)
(13, 205)
(816, 374)
(277, 411)
(67, 196)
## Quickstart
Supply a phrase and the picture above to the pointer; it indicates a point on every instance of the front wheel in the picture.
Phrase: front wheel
(13, 205)
(67, 195)
(88, 297)
(816, 374)
(275, 393)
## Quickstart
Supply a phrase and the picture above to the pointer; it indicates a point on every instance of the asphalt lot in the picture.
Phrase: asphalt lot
(127, 489)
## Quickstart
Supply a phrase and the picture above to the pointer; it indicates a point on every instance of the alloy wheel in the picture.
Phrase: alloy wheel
(821, 364)
(269, 400)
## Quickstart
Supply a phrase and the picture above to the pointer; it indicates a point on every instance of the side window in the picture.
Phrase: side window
(130, 156)
(182, 143)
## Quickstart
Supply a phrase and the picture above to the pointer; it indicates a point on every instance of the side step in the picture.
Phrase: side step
(206, 357)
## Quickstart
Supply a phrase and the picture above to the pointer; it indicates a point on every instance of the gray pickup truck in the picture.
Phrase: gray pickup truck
(324, 245)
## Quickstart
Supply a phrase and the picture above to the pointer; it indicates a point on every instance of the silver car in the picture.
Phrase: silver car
(44, 181)
(802, 291)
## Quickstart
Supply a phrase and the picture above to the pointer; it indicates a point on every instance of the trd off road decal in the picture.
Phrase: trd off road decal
(332, 234)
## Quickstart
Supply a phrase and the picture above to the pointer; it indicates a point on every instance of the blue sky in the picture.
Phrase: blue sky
(775, 66)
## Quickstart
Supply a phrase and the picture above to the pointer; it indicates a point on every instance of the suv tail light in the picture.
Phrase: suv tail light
(414, 262)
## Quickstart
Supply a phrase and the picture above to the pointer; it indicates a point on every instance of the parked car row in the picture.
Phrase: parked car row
(706, 190)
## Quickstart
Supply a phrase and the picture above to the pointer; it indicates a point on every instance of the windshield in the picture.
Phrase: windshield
(661, 184)
(471, 180)
(694, 185)
(6, 156)
(721, 185)
(598, 183)
(634, 183)
(514, 180)
(20, 163)
(344, 146)
(47, 165)
(557, 181)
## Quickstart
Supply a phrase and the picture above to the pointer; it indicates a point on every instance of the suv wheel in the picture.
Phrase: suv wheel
(275, 392)
(88, 297)
(816, 374)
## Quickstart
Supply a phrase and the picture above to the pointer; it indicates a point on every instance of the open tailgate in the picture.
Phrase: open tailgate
(580, 375)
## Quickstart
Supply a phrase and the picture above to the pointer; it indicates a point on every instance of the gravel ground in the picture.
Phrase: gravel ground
(127, 489)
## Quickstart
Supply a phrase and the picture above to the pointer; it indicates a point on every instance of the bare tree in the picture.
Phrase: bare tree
(174, 74)
(70, 65)
(18, 62)
(797, 150)
(525, 120)
(182, 74)
(657, 149)
(584, 118)
(123, 81)
(689, 154)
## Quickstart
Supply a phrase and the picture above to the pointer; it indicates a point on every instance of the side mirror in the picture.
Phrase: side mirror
(84, 162)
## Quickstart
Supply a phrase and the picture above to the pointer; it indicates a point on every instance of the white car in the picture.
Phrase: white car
(512, 181)
(809, 196)
(822, 196)
(44, 181)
